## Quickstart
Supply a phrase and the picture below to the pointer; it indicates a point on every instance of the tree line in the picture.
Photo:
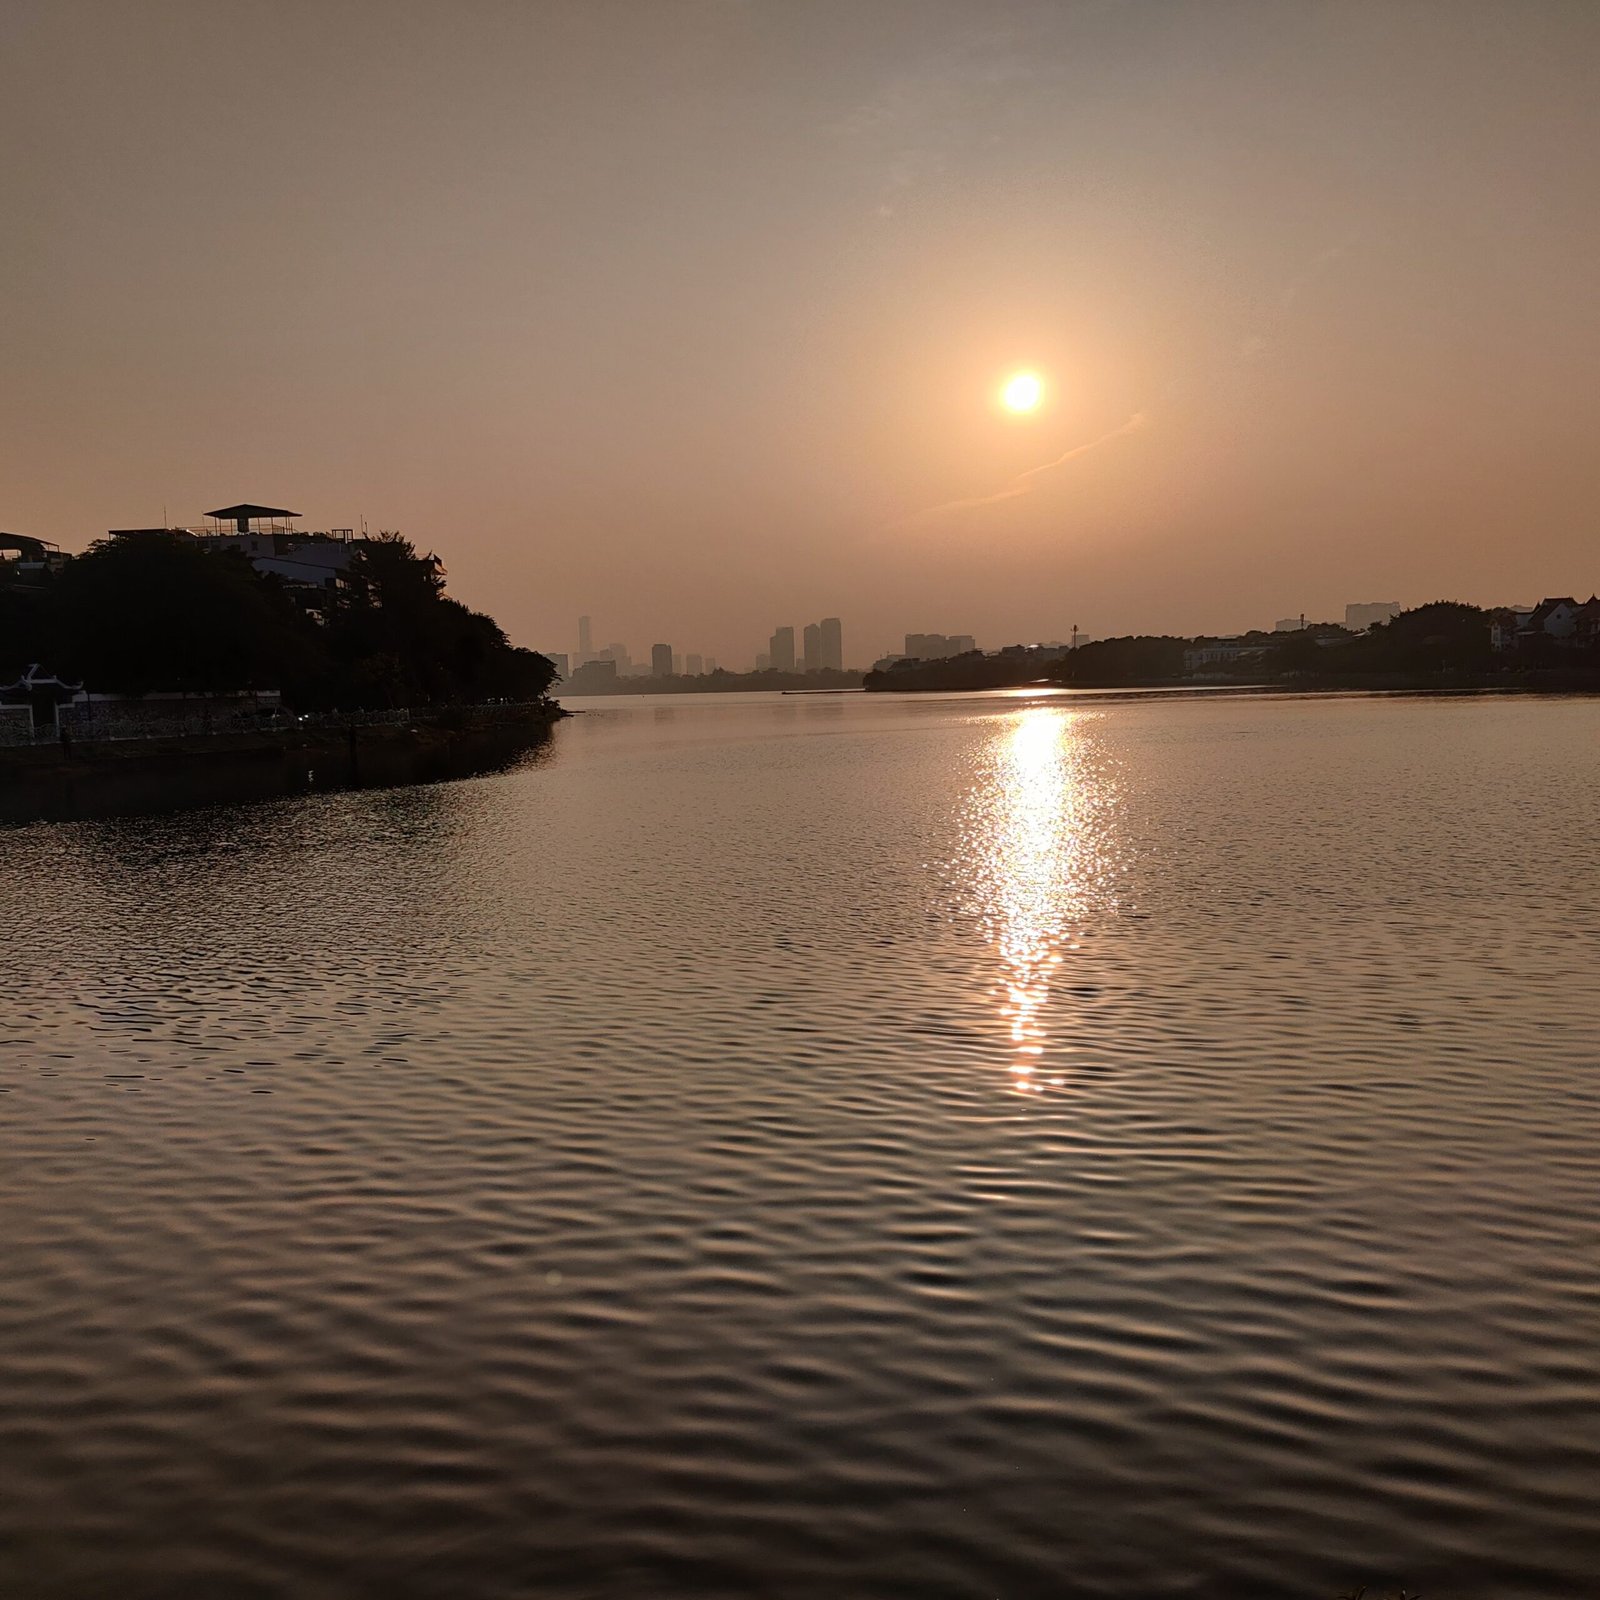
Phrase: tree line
(1444, 638)
(147, 611)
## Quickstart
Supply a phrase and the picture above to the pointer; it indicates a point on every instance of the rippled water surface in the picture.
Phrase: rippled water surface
(822, 1147)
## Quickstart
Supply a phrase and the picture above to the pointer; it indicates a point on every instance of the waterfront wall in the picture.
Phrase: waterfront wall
(121, 721)
(174, 769)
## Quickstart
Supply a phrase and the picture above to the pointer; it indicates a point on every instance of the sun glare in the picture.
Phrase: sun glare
(1022, 392)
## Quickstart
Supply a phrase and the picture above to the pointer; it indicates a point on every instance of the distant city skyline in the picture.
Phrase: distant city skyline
(822, 649)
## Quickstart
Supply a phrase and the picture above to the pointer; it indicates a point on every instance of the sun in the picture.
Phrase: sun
(1022, 392)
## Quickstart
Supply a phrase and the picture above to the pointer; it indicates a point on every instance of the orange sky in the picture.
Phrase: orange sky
(689, 314)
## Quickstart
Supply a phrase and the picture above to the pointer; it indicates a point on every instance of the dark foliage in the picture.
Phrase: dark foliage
(1442, 636)
(973, 670)
(26, 616)
(154, 611)
(723, 682)
(150, 611)
(1132, 659)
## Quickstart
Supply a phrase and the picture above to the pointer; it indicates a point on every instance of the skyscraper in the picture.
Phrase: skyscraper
(813, 648)
(780, 650)
(832, 631)
(693, 665)
(1358, 617)
(661, 661)
(585, 640)
(937, 646)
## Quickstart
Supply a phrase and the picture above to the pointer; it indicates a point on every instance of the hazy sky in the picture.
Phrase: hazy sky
(690, 314)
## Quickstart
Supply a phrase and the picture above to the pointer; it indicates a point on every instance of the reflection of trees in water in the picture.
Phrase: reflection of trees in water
(1039, 859)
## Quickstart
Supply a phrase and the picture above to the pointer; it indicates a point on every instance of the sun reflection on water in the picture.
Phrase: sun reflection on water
(1038, 859)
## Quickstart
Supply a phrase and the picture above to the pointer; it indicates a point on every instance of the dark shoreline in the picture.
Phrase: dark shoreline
(1578, 683)
(53, 783)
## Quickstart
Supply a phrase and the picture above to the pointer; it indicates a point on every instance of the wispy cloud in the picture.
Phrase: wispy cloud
(960, 95)
(1258, 343)
(1025, 482)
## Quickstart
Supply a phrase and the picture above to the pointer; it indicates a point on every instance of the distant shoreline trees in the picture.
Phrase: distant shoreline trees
(1443, 640)
(821, 681)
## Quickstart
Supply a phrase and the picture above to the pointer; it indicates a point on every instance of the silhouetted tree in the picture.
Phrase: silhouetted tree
(27, 624)
(419, 645)
(154, 611)
(1444, 635)
(1133, 658)
(147, 611)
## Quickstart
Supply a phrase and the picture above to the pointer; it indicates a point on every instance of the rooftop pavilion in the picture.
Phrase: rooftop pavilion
(256, 530)
(27, 550)
(248, 518)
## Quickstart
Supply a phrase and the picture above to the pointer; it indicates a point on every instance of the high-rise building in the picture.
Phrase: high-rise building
(593, 677)
(937, 646)
(780, 650)
(711, 665)
(693, 665)
(812, 659)
(560, 661)
(585, 639)
(832, 631)
(1358, 617)
(661, 661)
(763, 661)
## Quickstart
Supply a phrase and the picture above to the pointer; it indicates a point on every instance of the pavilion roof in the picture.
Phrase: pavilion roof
(233, 513)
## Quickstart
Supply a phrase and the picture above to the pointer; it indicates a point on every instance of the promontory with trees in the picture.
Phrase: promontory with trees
(169, 667)
(157, 611)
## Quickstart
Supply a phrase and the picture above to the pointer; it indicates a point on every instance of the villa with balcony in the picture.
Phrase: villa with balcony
(268, 538)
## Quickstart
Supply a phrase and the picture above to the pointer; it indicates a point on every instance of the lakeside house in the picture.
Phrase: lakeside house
(1225, 652)
(29, 561)
(1559, 618)
(311, 565)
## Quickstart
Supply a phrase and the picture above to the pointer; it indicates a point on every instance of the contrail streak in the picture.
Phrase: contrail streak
(1023, 482)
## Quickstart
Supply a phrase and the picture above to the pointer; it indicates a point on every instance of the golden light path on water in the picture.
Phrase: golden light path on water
(1038, 858)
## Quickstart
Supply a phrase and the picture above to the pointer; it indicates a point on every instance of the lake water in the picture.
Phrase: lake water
(845, 1146)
